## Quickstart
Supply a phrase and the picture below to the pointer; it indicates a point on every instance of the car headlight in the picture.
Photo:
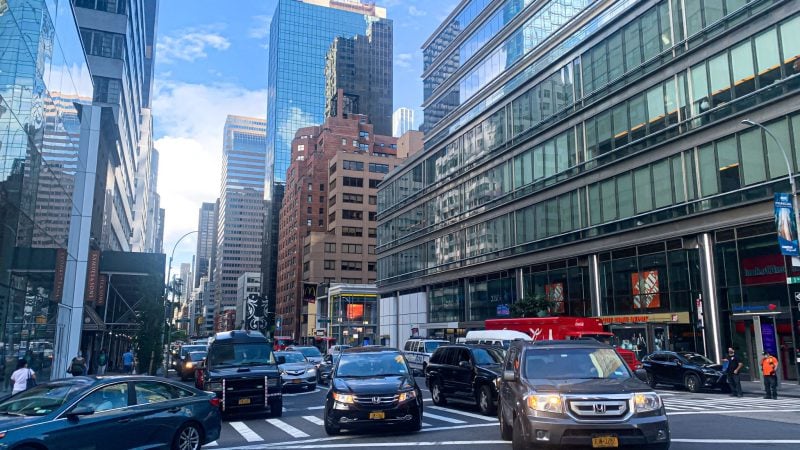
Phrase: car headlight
(312, 371)
(407, 395)
(189, 365)
(546, 403)
(213, 386)
(710, 372)
(344, 398)
(646, 402)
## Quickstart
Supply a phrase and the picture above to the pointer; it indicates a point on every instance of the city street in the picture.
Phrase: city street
(707, 420)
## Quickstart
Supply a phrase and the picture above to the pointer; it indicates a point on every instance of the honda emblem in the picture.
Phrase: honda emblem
(376, 400)
(599, 408)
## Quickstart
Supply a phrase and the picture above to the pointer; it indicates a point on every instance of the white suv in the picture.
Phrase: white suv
(418, 351)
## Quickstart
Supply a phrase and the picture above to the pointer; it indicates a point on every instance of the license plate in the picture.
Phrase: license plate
(377, 415)
(298, 381)
(605, 442)
(244, 401)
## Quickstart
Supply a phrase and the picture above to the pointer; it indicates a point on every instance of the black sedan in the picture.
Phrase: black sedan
(683, 369)
(120, 411)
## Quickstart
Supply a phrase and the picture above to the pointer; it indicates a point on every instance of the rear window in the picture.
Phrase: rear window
(431, 346)
(573, 363)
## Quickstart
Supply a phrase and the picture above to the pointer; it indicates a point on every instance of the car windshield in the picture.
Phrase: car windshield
(40, 400)
(574, 363)
(197, 356)
(696, 358)
(191, 348)
(430, 347)
(384, 364)
(309, 351)
(250, 354)
(486, 356)
(292, 357)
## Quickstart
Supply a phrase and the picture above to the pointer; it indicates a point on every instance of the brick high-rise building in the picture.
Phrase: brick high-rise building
(327, 221)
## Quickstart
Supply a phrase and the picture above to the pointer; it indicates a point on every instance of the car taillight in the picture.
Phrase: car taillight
(215, 402)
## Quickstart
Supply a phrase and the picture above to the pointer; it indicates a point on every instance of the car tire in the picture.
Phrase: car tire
(416, 424)
(436, 393)
(330, 429)
(485, 400)
(188, 437)
(517, 439)
(276, 408)
(692, 382)
(311, 387)
(651, 380)
(664, 446)
(506, 432)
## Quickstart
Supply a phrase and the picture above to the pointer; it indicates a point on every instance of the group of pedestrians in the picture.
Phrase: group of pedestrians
(769, 365)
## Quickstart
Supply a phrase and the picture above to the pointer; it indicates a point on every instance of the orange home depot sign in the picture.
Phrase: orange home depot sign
(677, 317)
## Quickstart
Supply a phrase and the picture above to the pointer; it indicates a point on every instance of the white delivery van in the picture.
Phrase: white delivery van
(499, 338)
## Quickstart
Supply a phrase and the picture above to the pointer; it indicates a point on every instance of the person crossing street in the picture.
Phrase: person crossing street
(769, 364)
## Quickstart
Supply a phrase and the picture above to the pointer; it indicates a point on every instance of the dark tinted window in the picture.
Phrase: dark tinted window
(371, 365)
(437, 356)
(696, 358)
(244, 354)
(463, 355)
(451, 356)
(484, 356)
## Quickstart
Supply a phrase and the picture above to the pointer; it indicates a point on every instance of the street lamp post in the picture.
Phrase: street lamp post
(794, 353)
(168, 305)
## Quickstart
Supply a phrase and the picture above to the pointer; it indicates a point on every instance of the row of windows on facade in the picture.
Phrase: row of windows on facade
(330, 264)
(355, 182)
(746, 67)
(734, 169)
(112, 6)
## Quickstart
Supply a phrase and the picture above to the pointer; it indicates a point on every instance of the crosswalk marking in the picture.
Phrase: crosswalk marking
(283, 426)
(314, 419)
(212, 444)
(443, 418)
(425, 424)
(464, 413)
(248, 434)
(723, 404)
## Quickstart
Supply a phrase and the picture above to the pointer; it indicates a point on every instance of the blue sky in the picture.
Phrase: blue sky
(211, 61)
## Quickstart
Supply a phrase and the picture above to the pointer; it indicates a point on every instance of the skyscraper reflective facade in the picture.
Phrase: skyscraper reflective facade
(402, 121)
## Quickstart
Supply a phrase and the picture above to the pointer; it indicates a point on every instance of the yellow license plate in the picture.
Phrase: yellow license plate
(298, 381)
(377, 415)
(605, 442)
(244, 401)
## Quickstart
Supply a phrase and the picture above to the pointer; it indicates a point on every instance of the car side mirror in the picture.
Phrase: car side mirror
(465, 365)
(80, 411)
(509, 375)
(641, 374)
(280, 359)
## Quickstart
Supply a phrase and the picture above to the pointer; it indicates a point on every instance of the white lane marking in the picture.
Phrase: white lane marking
(315, 407)
(730, 411)
(425, 424)
(314, 419)
(285, 427)
(248, 434)
(738, 441)
(427, 399)
(464, 413)
(212, 444)
(442, 418)
(394, 444)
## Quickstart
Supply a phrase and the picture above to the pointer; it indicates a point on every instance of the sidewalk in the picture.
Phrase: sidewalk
(788, 388)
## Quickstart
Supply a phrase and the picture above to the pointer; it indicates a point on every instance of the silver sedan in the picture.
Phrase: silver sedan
(296, 370)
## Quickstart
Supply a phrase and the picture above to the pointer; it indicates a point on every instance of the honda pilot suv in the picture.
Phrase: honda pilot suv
(577, 393)
(372, 387)
(241, 369)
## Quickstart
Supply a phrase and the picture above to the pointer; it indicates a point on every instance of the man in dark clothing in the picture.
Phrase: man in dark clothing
(732, 371)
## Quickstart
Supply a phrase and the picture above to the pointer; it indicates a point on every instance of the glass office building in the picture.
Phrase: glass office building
(43, 79)
(592, 154)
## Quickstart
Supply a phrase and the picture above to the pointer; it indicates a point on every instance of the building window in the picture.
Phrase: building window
(373, 184)
(322, 210)
(373, 199)
(332, 184)
(352, 248)
(103, 43)
(355, 143)
(352, 214)
(332, 201)
(106, 90)
(112, 6)
(371, 266)
(378, 168)
(308, 222)
(363, 135)
(310, 187)
(354, 182)
(330, 264)
(332, 217)
(363, 147)
(301, 147)
(371, 249)
(373, 216)
(322, 187)
(344, 141)
(309, 199)
(306, 266)
(352, 231)
(332, 169)
(351, 265)
(352, 198)
(322, 199)
(353, 165)
(373, 232)
(330, 247)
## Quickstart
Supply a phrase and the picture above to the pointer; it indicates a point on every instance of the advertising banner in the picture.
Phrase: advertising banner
(785, 225)
(309, 292)
(645, 289)
(555, 294)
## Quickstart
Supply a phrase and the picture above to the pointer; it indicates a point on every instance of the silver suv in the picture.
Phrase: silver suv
(577, 393)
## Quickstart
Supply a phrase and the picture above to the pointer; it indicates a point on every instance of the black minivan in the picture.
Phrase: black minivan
(465, 372)
(372, 387)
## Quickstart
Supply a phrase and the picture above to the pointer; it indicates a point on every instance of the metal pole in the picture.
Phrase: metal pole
(797, 224)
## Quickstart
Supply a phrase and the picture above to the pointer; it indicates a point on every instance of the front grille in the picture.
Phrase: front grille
(376, 400)
(598, 409)
(295, 372)
(252, 384)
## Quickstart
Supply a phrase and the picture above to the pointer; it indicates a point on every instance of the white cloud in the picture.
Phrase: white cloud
(416, 12)
(189, 45)
(260, 28)
(403, 60)
(189, 124)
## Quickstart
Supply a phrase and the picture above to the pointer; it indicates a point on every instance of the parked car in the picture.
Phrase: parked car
(120, 411)
(325, 369)
(418, 352)
(296, 370)
(372, 387)
(465, 372)
(190, 363)
(692, 371)
(242, 371)
(311, 353)
(577, 393)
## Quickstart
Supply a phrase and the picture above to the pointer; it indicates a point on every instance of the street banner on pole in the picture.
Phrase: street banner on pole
(785, 225)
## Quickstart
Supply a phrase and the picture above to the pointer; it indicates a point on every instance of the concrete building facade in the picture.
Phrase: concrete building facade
(206, 241)
(402, 121)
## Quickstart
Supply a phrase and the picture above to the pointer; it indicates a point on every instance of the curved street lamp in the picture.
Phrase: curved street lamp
(168, 304)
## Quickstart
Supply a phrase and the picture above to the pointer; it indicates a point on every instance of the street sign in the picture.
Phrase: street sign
(797, 296)
(792, 280)
(323, 320)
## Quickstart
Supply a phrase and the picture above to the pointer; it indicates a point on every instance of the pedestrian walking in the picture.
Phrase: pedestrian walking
(21, 377)
(732, 372)
(78, 365)
(769, 365)
(102, 361)
(127, 361)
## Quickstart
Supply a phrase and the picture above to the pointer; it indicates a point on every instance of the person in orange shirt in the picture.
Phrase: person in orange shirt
(769, 364)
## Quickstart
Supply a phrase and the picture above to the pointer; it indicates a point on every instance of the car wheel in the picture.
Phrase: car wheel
(436, 394)
(651, 380)
(276, 408)
(692, 382)
(188, 437)
(517, 439)
(505, 430)
(486, 400)
(330, 429)
(416, 423)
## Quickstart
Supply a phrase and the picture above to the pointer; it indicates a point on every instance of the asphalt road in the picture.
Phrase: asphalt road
(698, 421)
